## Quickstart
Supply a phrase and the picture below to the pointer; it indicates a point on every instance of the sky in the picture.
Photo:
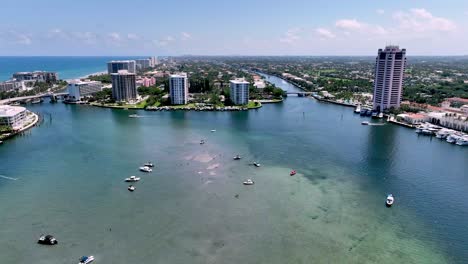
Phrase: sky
(240, 27)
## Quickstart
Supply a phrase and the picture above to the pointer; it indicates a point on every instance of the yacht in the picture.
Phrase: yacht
(365, 123)
(375, 114)
(132, 179)
(213, 130)
(237, 157)
(249, 182)
(131, 188)
(358, 109)
(37, 101)
(146, 169)
(380, 115)
(389, 200)
(86, 259)
(133, 116)
(148, 164)
(462, 141)
(256, 164)
(443, 133)
(452, 138)
(47, 240)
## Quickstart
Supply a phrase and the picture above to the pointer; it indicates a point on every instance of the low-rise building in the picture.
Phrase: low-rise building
(450, 120)
(415, 118)
(12, 85)
(77, 90)
(239, 91)
(13, 116)
(40, 76)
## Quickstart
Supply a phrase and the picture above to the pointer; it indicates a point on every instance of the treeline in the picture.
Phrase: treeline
(435, 94)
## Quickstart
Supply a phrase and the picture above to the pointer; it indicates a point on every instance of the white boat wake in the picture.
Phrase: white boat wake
(8, 178)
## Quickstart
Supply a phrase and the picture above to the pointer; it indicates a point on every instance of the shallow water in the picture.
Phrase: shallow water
(70, 173)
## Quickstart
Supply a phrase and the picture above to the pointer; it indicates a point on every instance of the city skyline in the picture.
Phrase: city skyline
(205, 28)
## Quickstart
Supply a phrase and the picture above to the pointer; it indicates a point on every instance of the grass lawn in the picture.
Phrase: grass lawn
(252, 105)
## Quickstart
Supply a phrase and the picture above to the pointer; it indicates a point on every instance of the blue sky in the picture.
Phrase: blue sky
(255, 27)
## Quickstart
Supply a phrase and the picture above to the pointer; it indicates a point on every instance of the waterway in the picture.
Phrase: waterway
(65, 177)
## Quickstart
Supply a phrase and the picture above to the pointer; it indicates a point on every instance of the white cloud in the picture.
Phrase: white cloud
(291, 36)
(84, 37)
(164, 41)
(380, 11)
(14, 37)
(114, 36)
(185, 35)
(421, 20)
(348, 24)
(325, 33)
(132, 36)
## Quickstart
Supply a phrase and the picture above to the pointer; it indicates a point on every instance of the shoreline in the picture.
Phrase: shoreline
(32, 124)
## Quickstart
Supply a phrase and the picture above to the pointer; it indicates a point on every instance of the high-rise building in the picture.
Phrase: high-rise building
(389, 70)
(154, 61)
(78, 89)
(239, 91)
(124, 86)
(178, 88)
(143, 64)
(116, 66)
(40, 76)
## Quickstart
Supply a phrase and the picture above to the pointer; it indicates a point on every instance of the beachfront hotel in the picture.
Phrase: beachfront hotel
(13, 116)
(124, 86)
(116, 66)
(79, 89)
(39, 76)
(239, 91)
(178, 87)
(388, 85)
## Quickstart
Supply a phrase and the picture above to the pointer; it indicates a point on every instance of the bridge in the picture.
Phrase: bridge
(24, 98)
(300, 94)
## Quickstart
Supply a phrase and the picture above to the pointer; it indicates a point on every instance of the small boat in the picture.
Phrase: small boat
(462, 141)
(380, 115)
(452, 138)
(213, 130)
(37, 101)
(132, 179)
(237, 157)
(249, 182)
(202, 142)
(47, 240)
(375, 114)
(256, 164)
(146, 169)
(148, 164)
(389, 200)
(134, 116)
(131, 188)
(292, 173)
(86, 259)
(358, 109)
(365, 123)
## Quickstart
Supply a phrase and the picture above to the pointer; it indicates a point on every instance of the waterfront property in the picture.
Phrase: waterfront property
(13, 116)
(178, 88)
(239, 91)
(389, 69)
(39, 76)
(124, 86)
(143, 64)
(12, 85)
(116, 66)
(79, 89)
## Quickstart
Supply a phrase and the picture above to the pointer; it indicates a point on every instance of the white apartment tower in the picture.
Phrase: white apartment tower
(178, 88)
(124, 86)
(239, 91)
(389, 70)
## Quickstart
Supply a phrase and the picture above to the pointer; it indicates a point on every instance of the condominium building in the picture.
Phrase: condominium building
(178, 87)
(388, 85)
(239, 91)
(143, 64)
(154, 61)
(13, 116)
(124, 86)
(77, 90)
(116, 66)
(40, 76)
(12, 85)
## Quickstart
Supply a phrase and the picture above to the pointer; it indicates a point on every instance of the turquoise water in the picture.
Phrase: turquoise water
(67, 67)
(69, 182)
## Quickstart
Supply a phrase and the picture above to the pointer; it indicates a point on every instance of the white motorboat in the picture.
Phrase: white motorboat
(358, 109)
(202, 142)
(256, 164)
(131, 188)
(249, 182)
(47, 240)
(213, 130)
(132, 179)
(86, 259)
(237, 157)
(146, 169)
(452, 138)
(148, 164)
(133, 116)
(462, 141)
(380, 115)
(390, 200)
(365, 123)
(443, 134)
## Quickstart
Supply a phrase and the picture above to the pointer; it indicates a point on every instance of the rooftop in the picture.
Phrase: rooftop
(8, 110)
(239, 81)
